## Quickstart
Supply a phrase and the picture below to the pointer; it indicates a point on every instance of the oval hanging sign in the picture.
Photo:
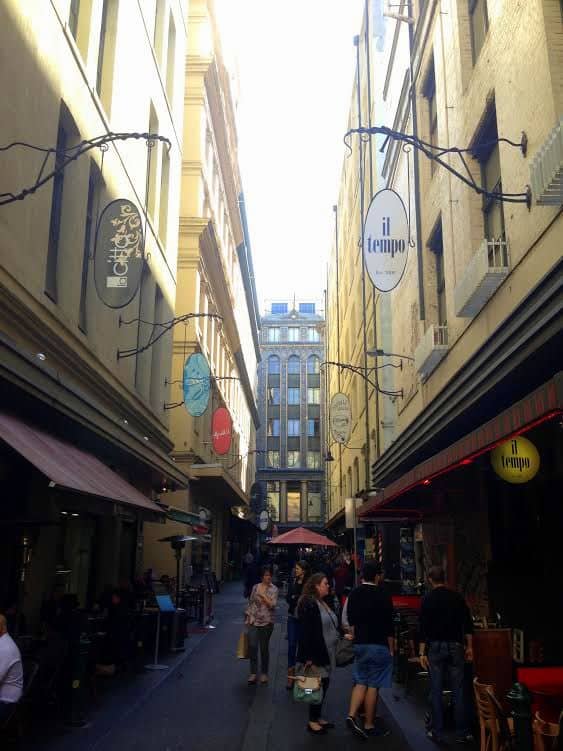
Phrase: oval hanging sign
(517, 461)
(196, 384)
(118, 253)
(386, 240)
(221, 431)
(340, 418)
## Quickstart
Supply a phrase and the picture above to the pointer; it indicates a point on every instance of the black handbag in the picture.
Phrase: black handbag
(344, 654)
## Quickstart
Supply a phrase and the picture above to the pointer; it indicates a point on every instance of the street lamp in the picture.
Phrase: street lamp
(381, 353)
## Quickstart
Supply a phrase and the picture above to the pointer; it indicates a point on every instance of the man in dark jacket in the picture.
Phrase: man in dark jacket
(447, 641)
(370, 616)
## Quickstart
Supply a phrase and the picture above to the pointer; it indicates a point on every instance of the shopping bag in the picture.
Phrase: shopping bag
(307, 689)
(242, 646)
(344, 653)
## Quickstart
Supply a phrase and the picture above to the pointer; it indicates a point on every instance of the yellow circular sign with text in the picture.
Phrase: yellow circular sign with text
(516, 461)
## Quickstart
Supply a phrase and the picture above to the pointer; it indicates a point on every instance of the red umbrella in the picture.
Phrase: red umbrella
(302, 536)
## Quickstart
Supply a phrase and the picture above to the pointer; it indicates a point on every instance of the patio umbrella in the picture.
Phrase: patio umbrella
(302, 536)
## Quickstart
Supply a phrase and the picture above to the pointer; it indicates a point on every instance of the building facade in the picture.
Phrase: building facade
(475, 320)
(215, 278)
(85, 442)
(291, 438)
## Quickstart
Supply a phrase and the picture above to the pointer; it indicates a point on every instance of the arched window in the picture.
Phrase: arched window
(273, 365)
(313, 365)
(294, 365)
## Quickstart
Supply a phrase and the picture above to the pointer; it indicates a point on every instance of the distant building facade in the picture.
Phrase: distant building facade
(290, 440)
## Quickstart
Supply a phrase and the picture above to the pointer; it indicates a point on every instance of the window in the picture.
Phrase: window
(274, 334)
(73, 17)
(293, 334)
(93, 200)
(273, 458)
(274, 395)
(357, 474)
(273, 365)
(153, 164)
(293, 458)
(430, 94)
(56, 214)
(170, 60)
(293, 396)
(313, 365)
(157, 379)
(293, 502)
(313, 334)
(489, 158)
(279, 308)
(163, 210)
(293, 365)
(314, 427)
(293, 427)
(313, 396)
(314, 501)
(273, 426)
(479, 23)
(306, 307)
(106, 52)
(313, 460)
(436, 246)
(273, 500)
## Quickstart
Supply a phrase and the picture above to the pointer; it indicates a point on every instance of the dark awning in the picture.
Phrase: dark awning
(69, 467)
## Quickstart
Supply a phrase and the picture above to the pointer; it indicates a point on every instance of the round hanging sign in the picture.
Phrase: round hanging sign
(340, 418)
(118, 253)
(263, 520)
(221, 431)
(517, 461)
(196, 384)
(386, 240)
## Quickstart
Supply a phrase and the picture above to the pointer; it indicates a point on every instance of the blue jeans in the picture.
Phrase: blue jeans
(292, 639)
(447, 656)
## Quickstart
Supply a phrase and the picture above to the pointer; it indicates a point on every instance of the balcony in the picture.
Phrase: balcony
(431, 350)
(546, 170)
(485, 272)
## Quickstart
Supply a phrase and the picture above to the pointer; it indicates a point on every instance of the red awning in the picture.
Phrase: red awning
(69, 467)
(542, 404)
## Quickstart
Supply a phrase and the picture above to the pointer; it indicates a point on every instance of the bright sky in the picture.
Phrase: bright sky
(296, 62)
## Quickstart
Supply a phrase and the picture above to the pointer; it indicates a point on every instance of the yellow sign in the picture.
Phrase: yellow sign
(516, 461)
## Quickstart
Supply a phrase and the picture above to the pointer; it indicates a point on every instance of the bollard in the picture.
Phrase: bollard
(521, 710)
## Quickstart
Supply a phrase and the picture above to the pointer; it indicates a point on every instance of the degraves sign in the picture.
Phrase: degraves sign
(340, 418)
(118, 253)
(386, 240)
(517, 461)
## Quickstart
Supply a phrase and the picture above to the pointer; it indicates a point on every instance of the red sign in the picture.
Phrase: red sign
(221, 431)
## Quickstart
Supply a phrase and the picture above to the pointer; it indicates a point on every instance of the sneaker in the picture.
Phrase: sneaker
(379, 732)
(431, 734)
(467, 738)
(352, 725)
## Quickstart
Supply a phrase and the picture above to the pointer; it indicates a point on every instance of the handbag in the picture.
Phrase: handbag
(344, 653)
(308, 689)
(242, 646)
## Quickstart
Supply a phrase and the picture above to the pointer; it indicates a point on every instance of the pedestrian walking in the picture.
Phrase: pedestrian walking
(370, 618)
(260, 620)
(302, 572)
(446, 643)
(316, 650)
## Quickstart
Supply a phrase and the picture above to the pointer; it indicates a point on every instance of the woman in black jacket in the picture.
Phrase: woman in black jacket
(295, 589)
(318, 635)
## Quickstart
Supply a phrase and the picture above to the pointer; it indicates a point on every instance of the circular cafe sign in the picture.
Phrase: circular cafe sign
(386, 240)
(340, 418)
(516, 461)
(118, 253)
(221, 431)
(196, 384)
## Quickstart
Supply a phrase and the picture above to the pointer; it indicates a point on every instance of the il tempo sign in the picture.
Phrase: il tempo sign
(517, 461)
(386, 240)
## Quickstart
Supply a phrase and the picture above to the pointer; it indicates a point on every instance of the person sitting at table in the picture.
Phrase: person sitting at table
(11, 672)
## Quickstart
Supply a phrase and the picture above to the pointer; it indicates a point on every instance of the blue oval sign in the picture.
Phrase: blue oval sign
(197, 384)
(118, 253)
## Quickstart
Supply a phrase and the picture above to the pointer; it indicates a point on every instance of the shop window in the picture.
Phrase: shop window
(293, 501)
(435, 243)
(479, 23)
(273, 500)
(314, 501)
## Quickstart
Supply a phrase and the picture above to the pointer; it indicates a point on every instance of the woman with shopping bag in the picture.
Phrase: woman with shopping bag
(316, 651)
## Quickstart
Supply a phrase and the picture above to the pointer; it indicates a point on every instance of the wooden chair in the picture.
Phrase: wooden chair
(496, 732)
(546, 734)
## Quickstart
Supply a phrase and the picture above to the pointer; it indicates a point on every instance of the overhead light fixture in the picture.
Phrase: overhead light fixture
(329, 457)
(426, 482)
(64, 513)
(125, 421)
(41, 356)
(146, 437)
(381, 353)
(74, 513)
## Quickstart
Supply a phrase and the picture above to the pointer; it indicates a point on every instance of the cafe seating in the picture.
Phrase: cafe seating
(13, 724)
(496, 730)
(546, 734)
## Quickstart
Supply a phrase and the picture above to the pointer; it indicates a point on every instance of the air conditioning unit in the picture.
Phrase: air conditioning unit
(485, 272)
(546, 170)
(431, 350)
